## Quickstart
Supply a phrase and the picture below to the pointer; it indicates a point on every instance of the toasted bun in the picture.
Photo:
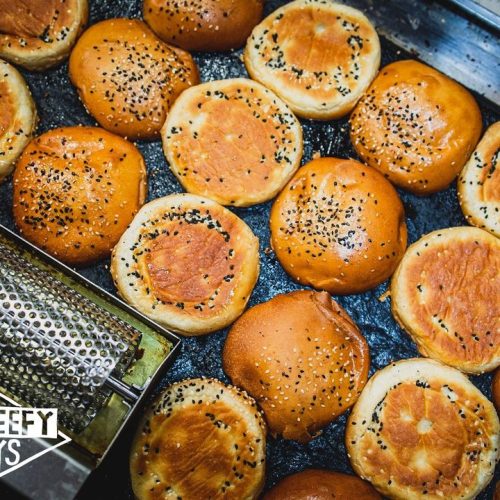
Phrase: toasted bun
(200, 439)
(187, 263)
(17, 117)
(38, 34)
(243, 159)
(127, 78)
(318, 56)
(313, 484)
(443, 294)
(75, 191)
(205, 25)
(417, 126)
(421, 429)
(495, 389)
(301, 357)
(338, 226)
(479, 183)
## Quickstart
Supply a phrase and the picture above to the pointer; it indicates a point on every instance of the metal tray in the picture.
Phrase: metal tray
(442, 37)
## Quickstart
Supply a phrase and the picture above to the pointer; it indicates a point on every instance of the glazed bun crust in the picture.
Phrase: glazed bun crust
(443, 294)
(495, 389)
(205, 25)
(17, 117)
(417, 126)
(38, 34)
(200, 439)
(301, 357)
(338, 226)
(479, 183)
(75, 191)
(315, 484)
(242, 159)
(127, 78)
(318, 56)
(187, 263)
(421, 429)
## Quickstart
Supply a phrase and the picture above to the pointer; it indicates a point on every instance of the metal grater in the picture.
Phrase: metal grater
(66, 344)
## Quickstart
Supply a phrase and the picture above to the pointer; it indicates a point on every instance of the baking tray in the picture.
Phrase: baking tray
(58, 105)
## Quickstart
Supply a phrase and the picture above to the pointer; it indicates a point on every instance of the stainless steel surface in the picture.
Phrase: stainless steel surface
(486, 12)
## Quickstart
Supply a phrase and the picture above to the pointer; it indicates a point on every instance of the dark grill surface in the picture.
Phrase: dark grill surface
(58, 105)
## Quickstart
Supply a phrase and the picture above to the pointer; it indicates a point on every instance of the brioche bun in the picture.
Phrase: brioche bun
(187, 263)
(127, 78)
(243, 159)
(199, 439)
(421, 429)
(301, 357)
(17, 117)
(315, 484)
(479, 183)
(338, 226)
(495, 389)
(318, 56)
(443, 294)
(417, 126)
(205, 25)
(75, 191)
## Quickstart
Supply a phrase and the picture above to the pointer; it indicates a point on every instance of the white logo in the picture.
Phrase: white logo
(20, 428)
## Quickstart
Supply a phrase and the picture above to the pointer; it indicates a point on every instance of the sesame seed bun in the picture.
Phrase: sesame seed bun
(495, 389)
(187, 263)
(443, 294)
(479, 183)
(315, 484)
(301, 357)
(318, 56)
(39, 34)
(417, 126)
(244, 159)
(17, 117)
(75, 191)
(204, 25)
(199, 439)
(127, 78)
(421, 429)
(338, 226)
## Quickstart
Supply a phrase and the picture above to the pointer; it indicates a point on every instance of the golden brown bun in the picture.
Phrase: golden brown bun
(127, 78)
(246, 157)
(318, 56)
(479, 183)
(497, 491)
(301, 357)
(421, 429)
(313, 484)
(445, 295)
(338, 226)
(205, 25)
(200, 439)
(495, 389)
(38, 34)
(188, 263)
(417, 126)
(17, 117)
(75, 191)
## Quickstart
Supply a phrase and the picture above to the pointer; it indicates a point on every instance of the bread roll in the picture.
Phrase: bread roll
(444, 295)
(421, 429)
(495, 389)
(338, 226)
(318, 56)
(417, 126)
(479, 183)
(75, 191)
(127, 78)
(38, 34)
(243, 159)
(187, 263)
(301, 357)
(205, 25)
(199, 439)
(17, 117)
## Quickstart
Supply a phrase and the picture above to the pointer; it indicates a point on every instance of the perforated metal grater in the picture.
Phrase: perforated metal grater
(67, 344)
